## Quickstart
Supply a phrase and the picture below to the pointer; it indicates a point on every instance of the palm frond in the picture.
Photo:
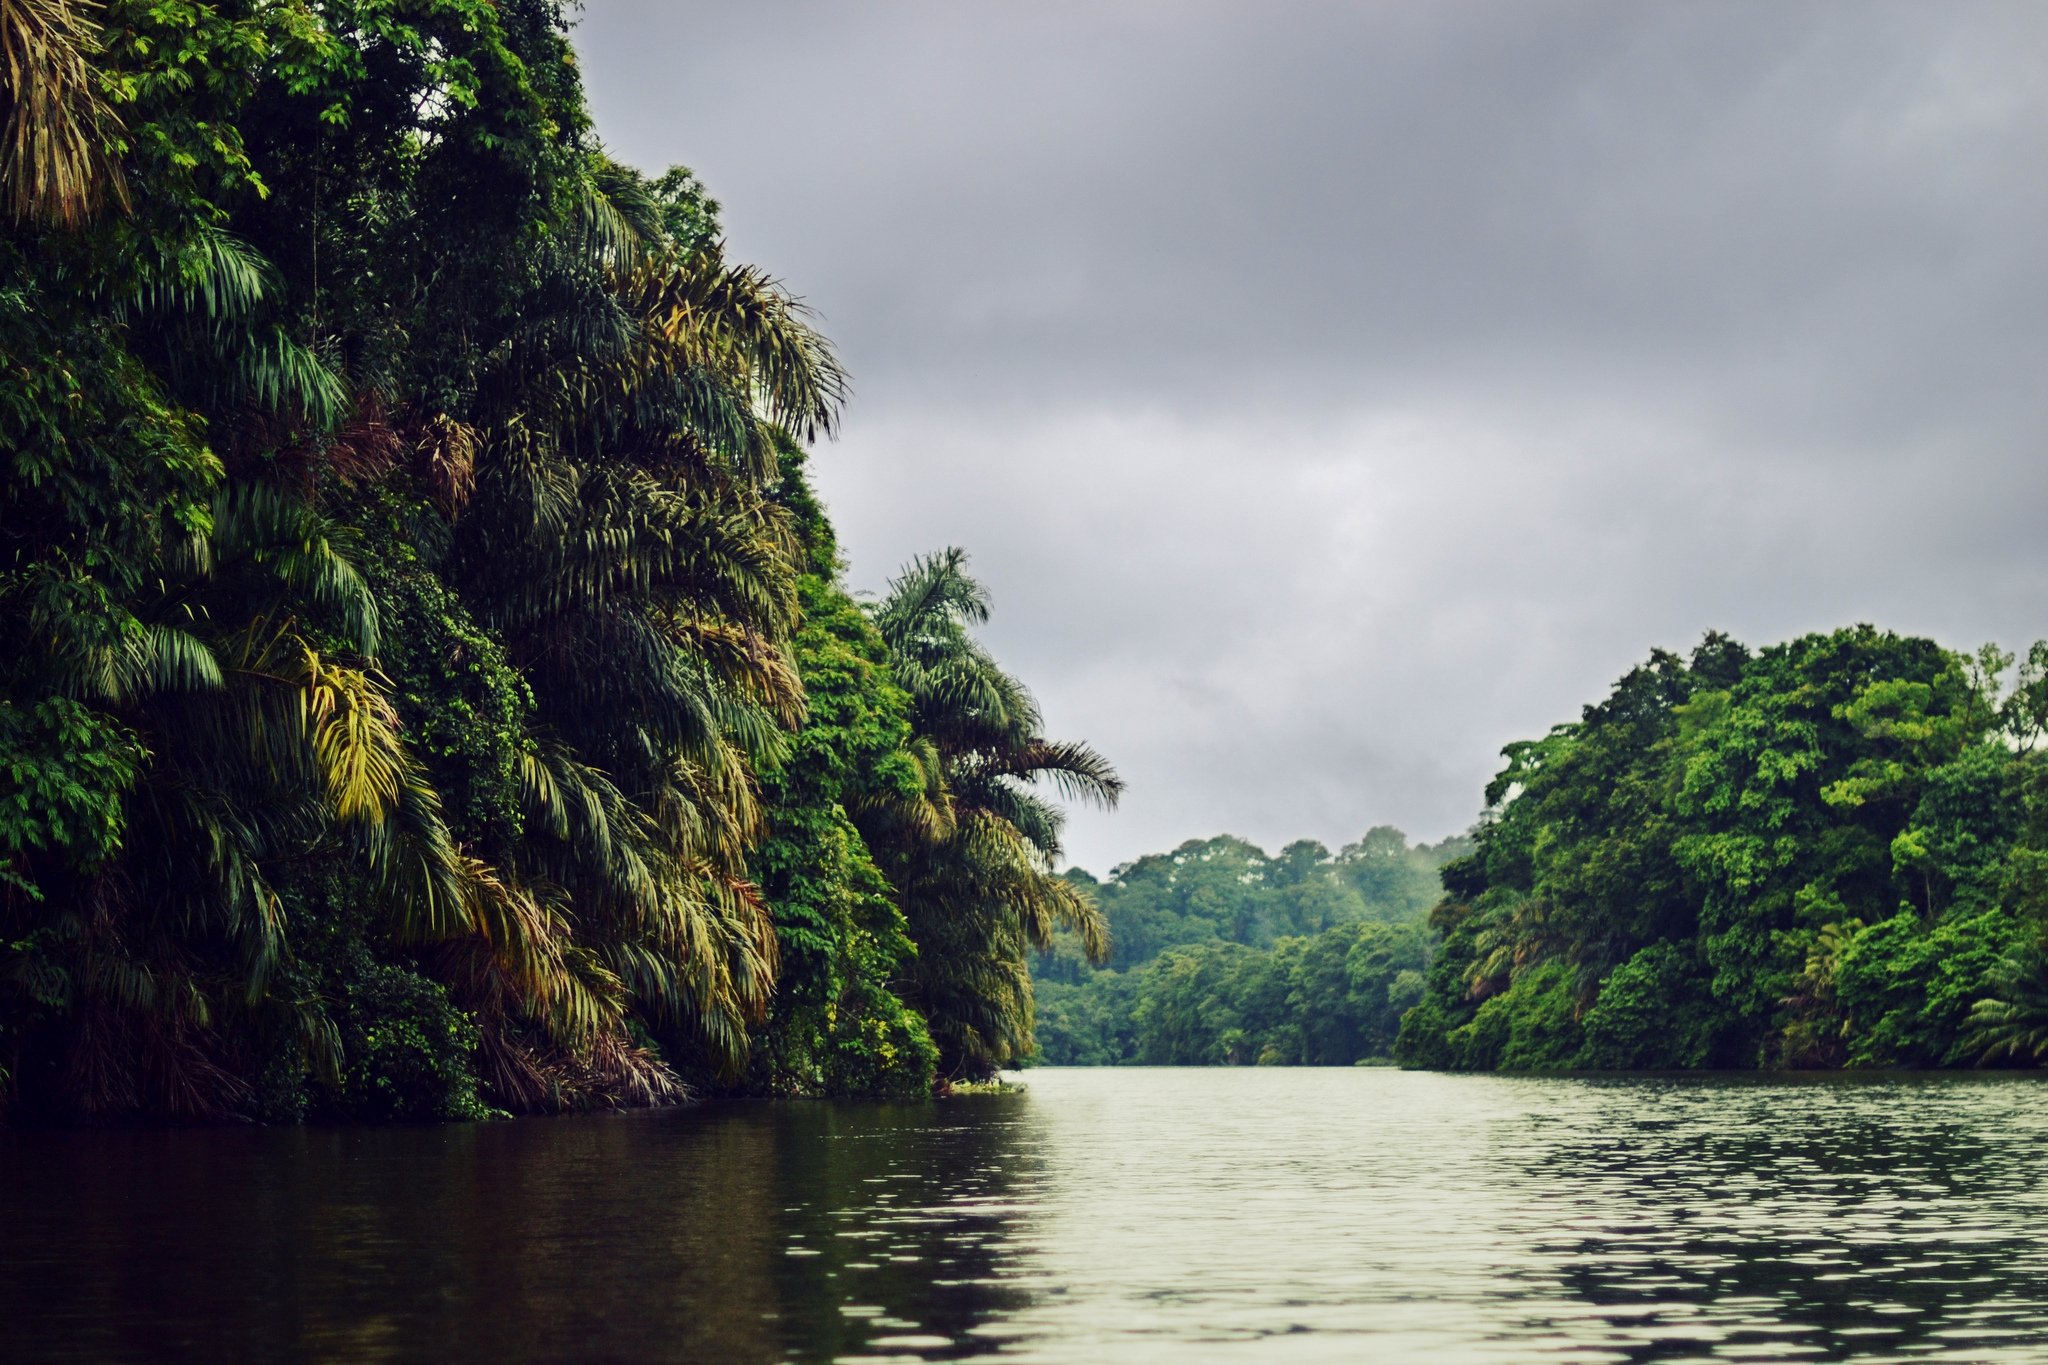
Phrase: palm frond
(356, 745)
(212, 274)
(2013, 1024)
(1075, 770)
(179, 661)
(267, 533)
(701, 312)
(280, 374)
(933, 594)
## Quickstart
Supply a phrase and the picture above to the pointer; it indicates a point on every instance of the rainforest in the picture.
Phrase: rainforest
(431, 688)
(1826, 853)
(526, 834)
(1830, 853)
(434, 690)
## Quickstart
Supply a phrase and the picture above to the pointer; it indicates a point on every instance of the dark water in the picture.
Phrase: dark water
(1118, 1215)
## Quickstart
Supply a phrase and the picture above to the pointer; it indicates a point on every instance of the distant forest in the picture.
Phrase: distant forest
(1220, 954)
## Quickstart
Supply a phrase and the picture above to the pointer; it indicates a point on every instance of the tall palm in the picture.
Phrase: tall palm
(984, 890)
(620, 539)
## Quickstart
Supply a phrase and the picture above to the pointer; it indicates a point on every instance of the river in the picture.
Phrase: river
(1154, 1215)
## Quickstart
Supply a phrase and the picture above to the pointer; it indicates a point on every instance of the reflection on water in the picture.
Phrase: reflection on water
(1169, 1215)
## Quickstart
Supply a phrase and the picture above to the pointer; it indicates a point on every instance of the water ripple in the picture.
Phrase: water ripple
(1113, 1215)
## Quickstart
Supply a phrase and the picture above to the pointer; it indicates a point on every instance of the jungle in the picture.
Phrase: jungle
(1826, 853)
(432, 689)
(1830, 853)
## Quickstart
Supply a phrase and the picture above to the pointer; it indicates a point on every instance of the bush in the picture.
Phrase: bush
(1651, 1013)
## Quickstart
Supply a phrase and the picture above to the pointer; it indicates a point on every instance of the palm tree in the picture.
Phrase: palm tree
(983, 890)
(619, 537)
(2013, 1024)
(263, 746)
(573, 469)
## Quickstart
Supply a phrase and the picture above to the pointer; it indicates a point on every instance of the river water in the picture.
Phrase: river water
(1168, 1215)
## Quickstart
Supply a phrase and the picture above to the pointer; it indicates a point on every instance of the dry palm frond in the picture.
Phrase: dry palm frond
(56, 163)
(446, 450)
(365, 447)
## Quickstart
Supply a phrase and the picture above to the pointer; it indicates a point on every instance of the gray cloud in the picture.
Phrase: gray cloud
(1331, 393)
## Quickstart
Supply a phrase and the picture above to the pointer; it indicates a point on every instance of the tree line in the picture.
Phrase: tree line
(1827, 853)
(431, 686)
(1222, 955)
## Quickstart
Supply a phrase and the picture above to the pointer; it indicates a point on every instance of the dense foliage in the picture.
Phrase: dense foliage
(431, 687)
(1828, 853)
(1222, 955)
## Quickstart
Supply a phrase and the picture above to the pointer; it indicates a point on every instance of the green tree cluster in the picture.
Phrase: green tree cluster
(1827, 853)
(431, 687)
(1222, 955)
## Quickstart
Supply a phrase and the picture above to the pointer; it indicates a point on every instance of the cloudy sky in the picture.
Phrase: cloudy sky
(1330, 393)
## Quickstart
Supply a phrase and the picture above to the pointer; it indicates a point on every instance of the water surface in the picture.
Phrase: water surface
(1234, 1215)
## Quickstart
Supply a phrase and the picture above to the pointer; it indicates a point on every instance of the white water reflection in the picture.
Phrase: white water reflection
(1311, 1215)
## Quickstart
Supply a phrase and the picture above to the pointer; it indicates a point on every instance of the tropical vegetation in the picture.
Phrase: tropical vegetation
(432, 688)
(1827, 853)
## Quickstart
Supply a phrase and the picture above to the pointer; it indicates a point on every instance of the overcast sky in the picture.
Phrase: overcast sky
(1331, 393)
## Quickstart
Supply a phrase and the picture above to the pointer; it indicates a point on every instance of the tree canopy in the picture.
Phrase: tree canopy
(1825, 853)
